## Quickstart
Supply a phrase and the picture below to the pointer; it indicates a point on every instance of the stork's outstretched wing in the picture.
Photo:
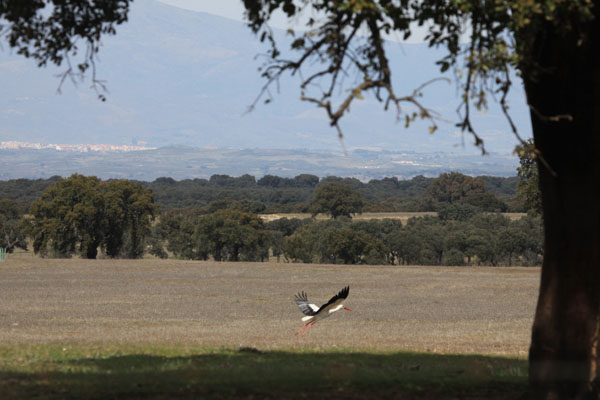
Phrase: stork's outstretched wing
(307, 309)
(337, 299)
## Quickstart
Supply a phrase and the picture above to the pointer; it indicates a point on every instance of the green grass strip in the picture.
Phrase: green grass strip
(163, 372)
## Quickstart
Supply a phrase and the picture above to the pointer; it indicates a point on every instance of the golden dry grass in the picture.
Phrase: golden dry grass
(402, 216)
(438, 309)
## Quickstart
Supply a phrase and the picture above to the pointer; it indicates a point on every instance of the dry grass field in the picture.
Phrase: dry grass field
(403, 216)
(146, 302)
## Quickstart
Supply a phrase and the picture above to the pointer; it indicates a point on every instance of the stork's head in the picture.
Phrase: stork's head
(338, 308)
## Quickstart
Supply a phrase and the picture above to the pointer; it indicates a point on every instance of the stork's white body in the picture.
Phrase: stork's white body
(322, 315)
(314, 313)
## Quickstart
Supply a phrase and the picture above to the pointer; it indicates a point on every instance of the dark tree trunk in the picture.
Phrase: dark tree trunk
(91, 252)
(564, 348)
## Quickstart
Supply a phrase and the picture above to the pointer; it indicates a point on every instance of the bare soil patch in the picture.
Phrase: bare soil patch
(438, 309)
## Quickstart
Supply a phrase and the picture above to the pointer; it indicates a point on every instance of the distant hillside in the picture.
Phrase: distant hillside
(188, 163)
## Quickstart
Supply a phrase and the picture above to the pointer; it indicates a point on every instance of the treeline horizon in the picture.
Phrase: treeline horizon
(89, 217)
(274, 194)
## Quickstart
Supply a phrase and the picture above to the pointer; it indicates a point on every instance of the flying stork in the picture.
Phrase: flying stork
(314, 313)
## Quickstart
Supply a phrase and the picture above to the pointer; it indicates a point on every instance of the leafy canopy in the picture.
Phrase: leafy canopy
(57, 31)
(232, 235)
(528, 187)
(80, 214)
(344, 39)
(12, 234)
(336, 199)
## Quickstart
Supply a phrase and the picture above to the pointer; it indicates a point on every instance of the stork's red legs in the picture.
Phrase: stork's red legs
(309, 324)
(307, 329)
(301, 328)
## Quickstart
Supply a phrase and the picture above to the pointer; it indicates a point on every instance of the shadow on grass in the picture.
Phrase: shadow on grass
(232, 374)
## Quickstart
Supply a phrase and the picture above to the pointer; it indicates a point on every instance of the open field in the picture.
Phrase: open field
(441, 309)
(402, 216)
(75, 325)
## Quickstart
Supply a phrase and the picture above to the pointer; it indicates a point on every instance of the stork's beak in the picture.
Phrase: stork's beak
(347, 309)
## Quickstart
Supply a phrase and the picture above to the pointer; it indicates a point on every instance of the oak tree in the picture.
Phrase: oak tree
(336, 199)
(12, 234)
(354, 247)
(232, 235)
(555, 46)
(69, 218)
(129, 210)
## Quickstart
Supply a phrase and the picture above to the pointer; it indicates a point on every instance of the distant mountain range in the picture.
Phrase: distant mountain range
(182, 78)
(180, 162)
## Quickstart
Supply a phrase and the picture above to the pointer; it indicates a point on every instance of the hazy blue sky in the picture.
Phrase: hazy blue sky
(234, 9)
(225, 8)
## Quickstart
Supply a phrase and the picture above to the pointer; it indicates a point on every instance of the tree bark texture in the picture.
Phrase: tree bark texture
(564, 93)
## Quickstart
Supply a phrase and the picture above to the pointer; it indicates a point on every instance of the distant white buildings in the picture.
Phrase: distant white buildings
(81, 148)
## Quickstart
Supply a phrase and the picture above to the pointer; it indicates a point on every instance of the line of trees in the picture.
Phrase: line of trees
(479, 239)
(224, 235)
(273, 194)
(84, 216)
(467, 231)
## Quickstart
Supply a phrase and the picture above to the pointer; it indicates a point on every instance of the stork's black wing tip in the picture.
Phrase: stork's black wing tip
(343, 293)
(301, 296)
